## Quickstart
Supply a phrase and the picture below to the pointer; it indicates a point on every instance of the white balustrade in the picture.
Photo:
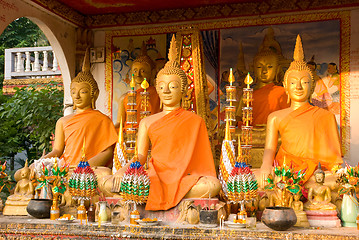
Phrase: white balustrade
(31, 62)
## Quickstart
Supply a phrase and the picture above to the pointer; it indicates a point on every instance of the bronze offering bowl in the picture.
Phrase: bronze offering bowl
(39, 208)
(279, 218)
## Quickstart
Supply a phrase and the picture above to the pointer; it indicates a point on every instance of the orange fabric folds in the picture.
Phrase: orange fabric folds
(96, 128)
(266, 100)
(309, 135)
(154, 103)
(181, 154)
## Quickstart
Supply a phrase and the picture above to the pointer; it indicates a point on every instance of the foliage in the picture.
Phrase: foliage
(348, 178)
(28, 120)
(22, 32)
(289, 179)
(6, 183)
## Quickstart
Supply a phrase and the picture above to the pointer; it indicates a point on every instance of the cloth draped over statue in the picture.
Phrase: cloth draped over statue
(309, 135)
(266, 100)
(92, 126)
(181, 154)
(154, 104)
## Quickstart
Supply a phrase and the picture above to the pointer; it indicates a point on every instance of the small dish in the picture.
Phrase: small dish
(235, 225)
(64, 220)
(148, 223)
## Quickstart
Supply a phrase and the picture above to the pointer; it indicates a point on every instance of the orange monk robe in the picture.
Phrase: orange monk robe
(266, 100)
(96, 128)
(309, 135)
(154, 103)
(181, 154)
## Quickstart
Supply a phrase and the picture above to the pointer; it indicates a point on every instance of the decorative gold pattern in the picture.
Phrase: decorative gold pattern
(10, 84)
(343, 16)
(230, 10)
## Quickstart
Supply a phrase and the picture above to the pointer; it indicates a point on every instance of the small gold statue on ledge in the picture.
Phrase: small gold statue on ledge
(319, 195)
(24, 190)
(297, 205)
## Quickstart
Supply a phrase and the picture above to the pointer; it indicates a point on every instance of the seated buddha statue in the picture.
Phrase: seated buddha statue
(297, 205)
(268, 94)
(308, 133)
(319, 195)
(143, 67)
(24, 191)
(181, 164)
(85, 125)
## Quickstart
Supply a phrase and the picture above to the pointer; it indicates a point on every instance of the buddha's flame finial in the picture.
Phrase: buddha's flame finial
(231, 77)
(144, 84)
(298, 50)
(26, 163)
(86, 62)
(228, 133)
(239, 158)
(172, 53)
(132, 83)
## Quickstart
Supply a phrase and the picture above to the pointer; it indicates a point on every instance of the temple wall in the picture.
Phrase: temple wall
(62, 37)
(350, 156)
(354, 89)
(61, 34)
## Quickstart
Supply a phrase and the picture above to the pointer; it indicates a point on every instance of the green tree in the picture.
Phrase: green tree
(22, 32)
(28, 120)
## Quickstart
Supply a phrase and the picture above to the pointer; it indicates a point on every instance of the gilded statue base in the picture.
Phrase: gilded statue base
(15, 210)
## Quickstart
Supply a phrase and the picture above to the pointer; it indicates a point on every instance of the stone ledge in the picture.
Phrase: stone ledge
(16, 227)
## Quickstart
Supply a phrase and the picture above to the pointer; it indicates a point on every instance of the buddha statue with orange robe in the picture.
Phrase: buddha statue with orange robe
(85, 124)
(142, 68)
(268, 94)
(181, 164)
(309, 134)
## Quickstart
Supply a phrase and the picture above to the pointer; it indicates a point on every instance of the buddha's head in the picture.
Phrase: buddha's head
(143, 67)
(298, 79)
(171, 81)
(297, 197)
(25, 171)
(319, 174)
(267, 68)
(84, 89)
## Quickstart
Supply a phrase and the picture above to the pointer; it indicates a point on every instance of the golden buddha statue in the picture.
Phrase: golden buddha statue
(85, 123)
(268, 94)
(143, 67)
(181, 164)
(319, 195)
(24, 191)
(297, 205)
(308, 133)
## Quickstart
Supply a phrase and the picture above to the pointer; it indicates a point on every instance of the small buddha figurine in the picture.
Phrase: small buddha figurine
(181, 164)
(24, 191)
(297, 205)
(142, 68)
(86, 123)
(319, 195)
(308, 133)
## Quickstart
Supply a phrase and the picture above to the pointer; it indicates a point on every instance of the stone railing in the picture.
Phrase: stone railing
(30, 62)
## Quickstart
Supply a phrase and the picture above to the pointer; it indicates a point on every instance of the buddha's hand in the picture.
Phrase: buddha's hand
(116, 182)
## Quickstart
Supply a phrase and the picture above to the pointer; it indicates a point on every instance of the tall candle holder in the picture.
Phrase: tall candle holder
(145, 97)
(247, 118)
(231, 98)
(131, 119)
